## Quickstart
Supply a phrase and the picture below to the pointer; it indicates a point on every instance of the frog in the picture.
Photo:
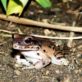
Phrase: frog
(37, 52)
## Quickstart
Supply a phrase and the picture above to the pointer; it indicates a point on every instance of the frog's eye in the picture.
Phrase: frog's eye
(27, 40)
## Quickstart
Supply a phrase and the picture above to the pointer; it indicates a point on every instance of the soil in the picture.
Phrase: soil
(51, 73)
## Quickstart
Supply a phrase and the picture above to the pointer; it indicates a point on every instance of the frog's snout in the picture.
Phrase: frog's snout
(15, 46)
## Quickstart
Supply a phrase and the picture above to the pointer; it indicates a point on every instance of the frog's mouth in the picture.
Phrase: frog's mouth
(25, 47)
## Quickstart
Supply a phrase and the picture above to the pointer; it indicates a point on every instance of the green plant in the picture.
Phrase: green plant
(17, 6)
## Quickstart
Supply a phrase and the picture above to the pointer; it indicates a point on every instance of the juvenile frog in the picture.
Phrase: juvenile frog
(37, 52)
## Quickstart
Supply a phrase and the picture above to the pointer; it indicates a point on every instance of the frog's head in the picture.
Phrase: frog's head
(21, 42)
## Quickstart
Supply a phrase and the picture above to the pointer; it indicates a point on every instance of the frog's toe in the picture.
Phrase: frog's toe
(61, 61)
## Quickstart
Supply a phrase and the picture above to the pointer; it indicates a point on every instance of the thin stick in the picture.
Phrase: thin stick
(39, 24)
(1, 52)
(70, 41)
(6, 35)
(6, 31)
(48, 37)
(3, 43)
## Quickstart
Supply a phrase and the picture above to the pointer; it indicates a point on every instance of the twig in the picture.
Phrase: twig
(70, 41)
(1, 52)
(39, 24)
(19, 31)
(3, 43)
(6, 31)
(48, 37)
(6, 35)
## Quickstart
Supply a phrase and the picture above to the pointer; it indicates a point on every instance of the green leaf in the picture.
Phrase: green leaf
(14, 7)
(4, 3)
(24, 2)
(44, 3)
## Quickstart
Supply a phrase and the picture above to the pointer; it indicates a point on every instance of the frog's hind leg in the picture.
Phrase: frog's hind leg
(61, 61)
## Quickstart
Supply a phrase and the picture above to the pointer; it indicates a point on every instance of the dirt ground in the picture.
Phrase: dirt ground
(51, 73)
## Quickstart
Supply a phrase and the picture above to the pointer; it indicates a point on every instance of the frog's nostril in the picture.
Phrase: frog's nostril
(14, 46)
(19, 42)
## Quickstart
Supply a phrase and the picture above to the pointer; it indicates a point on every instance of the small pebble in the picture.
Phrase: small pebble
(47, 72)
(17, 65)
(45, 20)
(47, 32)
(2, 69)
(79, 55)
(76, 71)
(67, 79)
(17, 72)
(57, 71)
(0, 65)
(71, 67)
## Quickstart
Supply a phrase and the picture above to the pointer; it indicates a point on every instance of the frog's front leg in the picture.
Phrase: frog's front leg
(21, 61)
(28, 63)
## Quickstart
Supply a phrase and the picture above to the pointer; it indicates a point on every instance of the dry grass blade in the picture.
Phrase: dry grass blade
(70, 41)
(6, 31)
(49, 37)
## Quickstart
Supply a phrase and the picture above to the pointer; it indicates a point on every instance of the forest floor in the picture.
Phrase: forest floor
(51, 73)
